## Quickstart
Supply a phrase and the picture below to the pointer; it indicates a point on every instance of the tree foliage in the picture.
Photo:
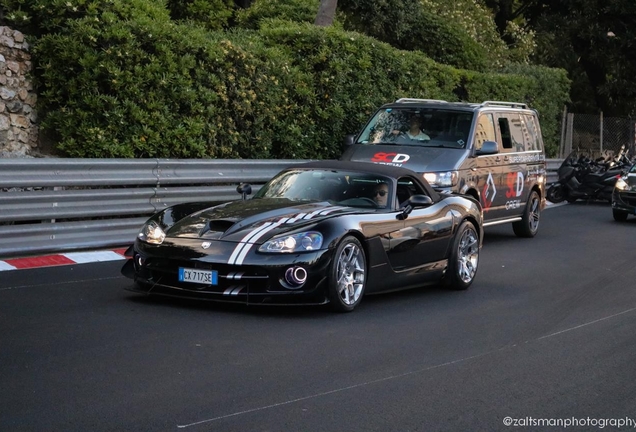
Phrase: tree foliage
(594, 41)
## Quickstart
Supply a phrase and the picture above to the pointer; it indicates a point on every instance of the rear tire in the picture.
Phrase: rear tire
(463, 259)
(529, 223)
(619, 215)
(347, 275)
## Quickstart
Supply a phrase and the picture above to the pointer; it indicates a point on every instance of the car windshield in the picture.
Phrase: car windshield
(351, 189)
(426, 127)
(633, 169)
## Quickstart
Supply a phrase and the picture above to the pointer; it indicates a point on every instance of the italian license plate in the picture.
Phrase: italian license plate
(208, 277)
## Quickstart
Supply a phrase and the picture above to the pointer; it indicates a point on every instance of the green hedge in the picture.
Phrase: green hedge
(354, 74)
(127, 81)
(408, 25)
(211, 14)
(134, 86)
(288, 10)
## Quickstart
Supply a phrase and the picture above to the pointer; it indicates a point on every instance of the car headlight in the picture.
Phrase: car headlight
(621, 184)
(301, 242)
(442, 179)
(152, 233)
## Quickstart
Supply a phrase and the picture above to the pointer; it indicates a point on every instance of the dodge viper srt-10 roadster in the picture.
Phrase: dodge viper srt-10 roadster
(324, 232)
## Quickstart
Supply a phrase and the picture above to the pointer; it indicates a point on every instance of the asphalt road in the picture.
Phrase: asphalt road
(546, 333)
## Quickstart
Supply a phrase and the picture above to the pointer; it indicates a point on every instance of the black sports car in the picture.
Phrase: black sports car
(322, 232)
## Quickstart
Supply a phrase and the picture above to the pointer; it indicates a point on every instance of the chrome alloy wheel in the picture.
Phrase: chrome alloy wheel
(350, 274)
(468, 255)
(534, 212)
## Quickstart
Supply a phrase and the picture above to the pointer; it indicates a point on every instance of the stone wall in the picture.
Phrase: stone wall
(18, 129)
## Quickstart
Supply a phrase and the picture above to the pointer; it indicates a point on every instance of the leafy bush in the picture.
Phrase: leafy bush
(354, 74)
(128, 85)
(212, 14)
(406, 24)
(285, 10)
(38, 17)
(124, 80)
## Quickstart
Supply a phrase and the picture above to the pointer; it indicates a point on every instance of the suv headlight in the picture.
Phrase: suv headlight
(301, 242)
(442, 179)
(621, 184)
(151, 233)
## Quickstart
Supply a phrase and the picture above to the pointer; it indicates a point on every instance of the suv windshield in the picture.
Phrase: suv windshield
(428, 127)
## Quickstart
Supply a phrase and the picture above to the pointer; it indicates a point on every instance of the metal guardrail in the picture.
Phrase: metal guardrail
(59, 205)
(71, 204)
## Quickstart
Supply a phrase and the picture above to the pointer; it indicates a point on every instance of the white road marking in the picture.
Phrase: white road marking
(392, 377)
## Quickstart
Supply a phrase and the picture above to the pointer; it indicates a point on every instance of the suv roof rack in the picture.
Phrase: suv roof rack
(508, 104)
(420, 100)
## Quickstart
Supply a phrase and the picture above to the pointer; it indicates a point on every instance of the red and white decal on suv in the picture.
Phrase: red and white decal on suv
(390, 158)
(489, 192)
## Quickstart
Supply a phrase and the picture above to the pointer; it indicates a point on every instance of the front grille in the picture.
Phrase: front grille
(232, 280)
(629, 198)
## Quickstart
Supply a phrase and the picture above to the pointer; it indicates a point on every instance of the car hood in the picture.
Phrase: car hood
(416, 158)
(238, 220)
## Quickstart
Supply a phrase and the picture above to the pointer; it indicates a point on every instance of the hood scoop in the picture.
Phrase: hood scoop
(214, 229)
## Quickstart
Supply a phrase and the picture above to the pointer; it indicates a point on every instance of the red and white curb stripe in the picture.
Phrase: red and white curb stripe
(62, 259)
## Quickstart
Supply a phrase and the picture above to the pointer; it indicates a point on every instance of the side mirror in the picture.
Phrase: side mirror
(244, 189)
(349, 140)
(414, 202)
(420, 201)
(488, 148)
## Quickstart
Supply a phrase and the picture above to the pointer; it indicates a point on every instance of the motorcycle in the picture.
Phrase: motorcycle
(579, 177)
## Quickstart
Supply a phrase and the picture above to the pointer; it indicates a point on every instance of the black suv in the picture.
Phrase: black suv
(492, 151)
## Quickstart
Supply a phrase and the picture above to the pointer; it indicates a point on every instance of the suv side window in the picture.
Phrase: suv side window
(504, 131)
(516, 132)
(512, 133)
(533, 137)
(485, 130)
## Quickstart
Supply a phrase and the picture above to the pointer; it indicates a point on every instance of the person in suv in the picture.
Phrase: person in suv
(492, 151)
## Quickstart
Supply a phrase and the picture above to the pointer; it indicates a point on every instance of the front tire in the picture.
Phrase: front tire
(529, 223)
(556, 193)
(619, 215)
(464, 258)
(347, 275)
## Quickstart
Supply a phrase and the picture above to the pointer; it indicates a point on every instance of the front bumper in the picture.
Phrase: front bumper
(258, 280)
(624, 200)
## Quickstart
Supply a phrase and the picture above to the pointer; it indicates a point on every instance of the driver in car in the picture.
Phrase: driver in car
(415, 130)
(381, 194)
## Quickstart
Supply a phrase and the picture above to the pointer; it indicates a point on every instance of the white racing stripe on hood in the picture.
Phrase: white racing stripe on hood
(247, 246)
(322, 212)
(247, 237)
(329, 210)
(294, 219)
